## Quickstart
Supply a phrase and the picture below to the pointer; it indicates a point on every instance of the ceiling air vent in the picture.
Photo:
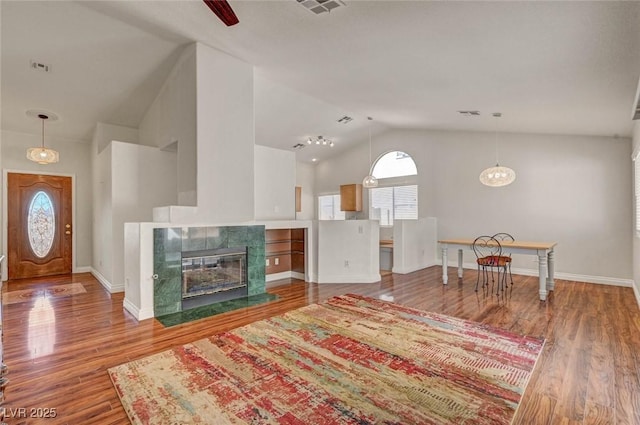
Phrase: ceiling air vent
(469, 113)
(345, 120)
(298, 146)
(635, 113)
(321, 6)
(39, 66)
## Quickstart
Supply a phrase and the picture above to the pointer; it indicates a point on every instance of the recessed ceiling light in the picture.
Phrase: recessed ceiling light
(314, 159)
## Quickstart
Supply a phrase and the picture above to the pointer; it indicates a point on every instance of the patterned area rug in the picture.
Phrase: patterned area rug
(350, 360)
(13, 297)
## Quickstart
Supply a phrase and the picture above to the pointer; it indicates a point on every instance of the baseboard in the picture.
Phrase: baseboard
(136, 312)
(104, 282)
(601, 280)
(406, 270)
(83, 269)
(372, 278)
(637, 293)
(277, 276)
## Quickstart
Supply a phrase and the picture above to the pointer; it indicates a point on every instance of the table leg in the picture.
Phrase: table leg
(460, 263)
(550, 282)
(542, 274)
(445, 278)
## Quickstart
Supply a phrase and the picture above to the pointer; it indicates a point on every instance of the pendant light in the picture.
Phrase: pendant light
(497, 176)
(43, 155)
(370, 181)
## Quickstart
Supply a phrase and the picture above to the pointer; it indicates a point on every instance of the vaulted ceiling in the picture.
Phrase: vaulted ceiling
(549, 67)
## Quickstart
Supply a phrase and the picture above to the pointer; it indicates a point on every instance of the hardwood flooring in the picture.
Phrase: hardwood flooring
(58, 350)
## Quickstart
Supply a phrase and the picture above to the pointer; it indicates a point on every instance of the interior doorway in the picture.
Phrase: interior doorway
(39, 220)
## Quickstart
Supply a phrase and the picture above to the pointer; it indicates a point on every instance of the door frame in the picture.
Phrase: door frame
(5, 214)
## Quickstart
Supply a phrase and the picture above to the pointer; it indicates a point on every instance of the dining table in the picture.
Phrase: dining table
(543, 250)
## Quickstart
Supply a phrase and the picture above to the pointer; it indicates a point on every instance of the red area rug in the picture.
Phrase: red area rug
(350, 360)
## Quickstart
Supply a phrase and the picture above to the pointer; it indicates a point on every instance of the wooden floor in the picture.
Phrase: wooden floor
(59, 349)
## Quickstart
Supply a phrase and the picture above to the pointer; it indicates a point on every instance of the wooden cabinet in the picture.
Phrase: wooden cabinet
(351, 197)
(284, 250)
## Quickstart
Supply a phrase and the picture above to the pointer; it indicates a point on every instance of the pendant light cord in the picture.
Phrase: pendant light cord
(370, 119)
(497, 115)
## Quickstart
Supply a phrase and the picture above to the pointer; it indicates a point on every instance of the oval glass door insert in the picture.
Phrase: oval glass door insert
(41, 224)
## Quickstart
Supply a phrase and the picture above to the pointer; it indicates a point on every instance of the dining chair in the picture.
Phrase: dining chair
(506, 237)
(488, 253)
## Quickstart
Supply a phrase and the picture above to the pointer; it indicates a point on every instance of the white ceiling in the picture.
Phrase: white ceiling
(549, 67)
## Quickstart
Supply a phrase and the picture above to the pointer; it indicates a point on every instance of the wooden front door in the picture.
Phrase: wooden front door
(39, 223)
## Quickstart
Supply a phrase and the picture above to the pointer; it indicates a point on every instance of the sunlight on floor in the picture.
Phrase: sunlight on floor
(41, 328)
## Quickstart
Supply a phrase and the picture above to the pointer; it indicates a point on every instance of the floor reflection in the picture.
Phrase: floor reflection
(41, 329)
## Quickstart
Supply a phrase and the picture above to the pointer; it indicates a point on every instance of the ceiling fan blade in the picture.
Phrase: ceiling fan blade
(223, 11)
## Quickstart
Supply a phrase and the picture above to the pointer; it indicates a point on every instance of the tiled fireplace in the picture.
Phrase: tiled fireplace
(194, 266)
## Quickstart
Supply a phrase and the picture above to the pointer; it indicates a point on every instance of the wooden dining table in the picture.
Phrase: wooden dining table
(544, 251)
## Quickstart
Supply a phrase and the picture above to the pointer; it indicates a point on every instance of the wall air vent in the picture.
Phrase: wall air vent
(321, 6)
(469, 113)
(635, 113)
(39, 66)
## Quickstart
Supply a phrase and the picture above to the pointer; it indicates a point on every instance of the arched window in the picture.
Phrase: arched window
(397, 194)
(394, 164)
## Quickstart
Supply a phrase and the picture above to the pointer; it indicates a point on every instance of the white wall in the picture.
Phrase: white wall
(305, 178)
(171, 118)
(414, 244)
(75, 160)
(105, 133)
(348, 251)
(274, 183)
(102, 212)
(570, 189)
(143, 177)
(225, 137)
(636, 239)
(129, 181)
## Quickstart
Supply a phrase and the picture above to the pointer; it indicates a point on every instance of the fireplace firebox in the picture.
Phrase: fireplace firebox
(213, 275)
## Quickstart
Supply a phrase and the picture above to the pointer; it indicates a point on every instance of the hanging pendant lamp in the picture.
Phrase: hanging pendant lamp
(370, 181)
(43, 155)
(497, 176)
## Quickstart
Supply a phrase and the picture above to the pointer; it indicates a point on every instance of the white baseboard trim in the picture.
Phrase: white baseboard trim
(104, 282)
(277, 276)
(601, 280)
(136, 312)
(372, 278)
(411, 269)
(83, 269)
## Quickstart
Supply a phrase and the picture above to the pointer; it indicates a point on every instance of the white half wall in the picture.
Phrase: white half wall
(414, 244)
(348, 251)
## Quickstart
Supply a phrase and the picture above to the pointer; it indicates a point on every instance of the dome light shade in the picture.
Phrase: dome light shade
(43, 155)
(369, 182)
(497, 176)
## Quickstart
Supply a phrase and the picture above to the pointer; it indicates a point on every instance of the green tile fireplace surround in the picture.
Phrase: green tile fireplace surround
(168, 244)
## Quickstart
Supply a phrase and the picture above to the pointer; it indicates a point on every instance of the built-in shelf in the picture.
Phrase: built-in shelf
(284, 250)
